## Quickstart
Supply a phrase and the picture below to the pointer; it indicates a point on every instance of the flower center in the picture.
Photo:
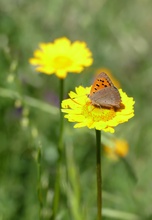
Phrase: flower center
(107, 114)
(100, 114)
(61, 62)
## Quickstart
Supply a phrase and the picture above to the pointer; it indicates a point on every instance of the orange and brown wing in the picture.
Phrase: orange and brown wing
(102, 81)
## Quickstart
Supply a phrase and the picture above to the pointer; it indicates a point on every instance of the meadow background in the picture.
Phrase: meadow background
(119, 34)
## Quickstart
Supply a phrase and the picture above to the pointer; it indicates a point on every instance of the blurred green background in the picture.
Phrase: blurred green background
(119, 34)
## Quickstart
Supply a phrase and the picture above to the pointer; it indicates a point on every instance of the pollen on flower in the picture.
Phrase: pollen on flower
(106, 114)
(98, 114)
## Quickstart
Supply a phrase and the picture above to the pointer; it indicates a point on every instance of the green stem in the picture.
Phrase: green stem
(39, 194)
(61, 118)
(59, 165)
(98, 170)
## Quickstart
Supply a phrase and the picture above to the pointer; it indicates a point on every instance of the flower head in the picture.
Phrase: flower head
(78, 108)
(119, 149)
(61, 57)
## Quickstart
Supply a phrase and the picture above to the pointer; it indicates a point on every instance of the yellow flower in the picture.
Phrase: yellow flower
(62, 57)
(119, 149)
(79, 109)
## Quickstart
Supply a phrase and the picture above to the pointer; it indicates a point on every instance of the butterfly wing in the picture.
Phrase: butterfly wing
(102, 81)
(107, 97)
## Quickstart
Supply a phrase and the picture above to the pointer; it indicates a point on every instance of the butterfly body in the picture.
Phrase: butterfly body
(103, 93)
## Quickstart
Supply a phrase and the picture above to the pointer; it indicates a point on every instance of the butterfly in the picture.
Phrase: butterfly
(103, 92)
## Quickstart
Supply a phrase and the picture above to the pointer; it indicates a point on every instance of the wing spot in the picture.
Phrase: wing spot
(104, 85)
(97, 85)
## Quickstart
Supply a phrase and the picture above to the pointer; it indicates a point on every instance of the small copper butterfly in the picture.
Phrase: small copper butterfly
(103, 93)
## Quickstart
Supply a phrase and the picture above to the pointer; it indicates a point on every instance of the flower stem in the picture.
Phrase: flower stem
(60, 152)
(98, 170)
(39, 194)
